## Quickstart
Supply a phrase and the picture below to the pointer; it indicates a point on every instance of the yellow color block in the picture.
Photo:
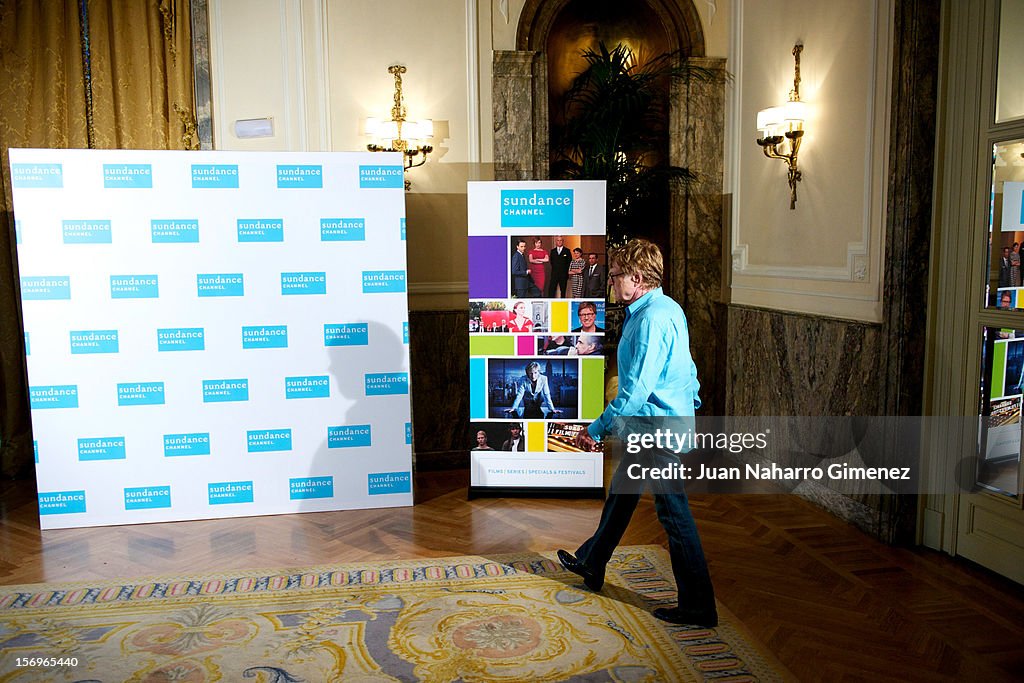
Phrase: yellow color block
(535, 437)
(559, 316)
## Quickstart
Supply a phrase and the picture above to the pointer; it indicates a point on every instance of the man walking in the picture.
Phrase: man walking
(657, 377)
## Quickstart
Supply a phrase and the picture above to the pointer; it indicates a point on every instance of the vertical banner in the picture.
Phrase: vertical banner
(537, 282)
(213, 334)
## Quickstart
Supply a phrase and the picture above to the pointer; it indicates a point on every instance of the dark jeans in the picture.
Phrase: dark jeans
(689, 567)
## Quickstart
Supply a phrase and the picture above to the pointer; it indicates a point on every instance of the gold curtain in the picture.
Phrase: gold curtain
(125, 82)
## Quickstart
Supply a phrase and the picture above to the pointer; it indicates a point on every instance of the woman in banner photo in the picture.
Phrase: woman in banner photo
(576, 272)
(538, 262)
(1015, 265)
(520, 321)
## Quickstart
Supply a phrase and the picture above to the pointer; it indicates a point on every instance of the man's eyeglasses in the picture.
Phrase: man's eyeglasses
(612, 276)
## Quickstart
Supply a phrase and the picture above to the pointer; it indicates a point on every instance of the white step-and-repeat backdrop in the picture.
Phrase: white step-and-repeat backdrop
(213, 334)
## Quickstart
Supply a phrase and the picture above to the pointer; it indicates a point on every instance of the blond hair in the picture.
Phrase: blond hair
(640, 257)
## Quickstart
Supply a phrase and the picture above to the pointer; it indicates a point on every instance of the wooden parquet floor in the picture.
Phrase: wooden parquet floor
(830, 603)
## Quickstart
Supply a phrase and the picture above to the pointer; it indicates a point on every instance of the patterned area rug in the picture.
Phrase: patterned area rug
(505, 618)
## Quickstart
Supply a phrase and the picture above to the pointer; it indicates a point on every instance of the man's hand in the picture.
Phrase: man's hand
(584, 441)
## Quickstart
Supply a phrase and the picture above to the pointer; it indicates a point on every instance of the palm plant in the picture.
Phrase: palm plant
(614, 128)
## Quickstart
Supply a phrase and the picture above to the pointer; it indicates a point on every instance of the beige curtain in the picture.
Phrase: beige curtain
(77, 74)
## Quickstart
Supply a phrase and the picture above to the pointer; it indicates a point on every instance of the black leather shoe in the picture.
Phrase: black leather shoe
(688, 617)
(591, 579)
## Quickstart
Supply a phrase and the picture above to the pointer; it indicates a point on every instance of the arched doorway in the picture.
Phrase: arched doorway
(521, 90)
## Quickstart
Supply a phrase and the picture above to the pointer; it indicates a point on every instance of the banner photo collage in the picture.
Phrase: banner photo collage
(537, 284)
(1006, 391)
(213, 334)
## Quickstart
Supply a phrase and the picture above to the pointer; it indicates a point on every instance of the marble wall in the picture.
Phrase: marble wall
(439, 364)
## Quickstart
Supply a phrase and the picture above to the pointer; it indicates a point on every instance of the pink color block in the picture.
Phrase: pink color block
(525, 345)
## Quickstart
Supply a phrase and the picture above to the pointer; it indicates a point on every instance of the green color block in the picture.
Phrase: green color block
(502, 345)
(591, 387)
(998, 370)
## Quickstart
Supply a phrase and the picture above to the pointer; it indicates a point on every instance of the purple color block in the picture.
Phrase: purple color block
(489, 259)
(526, 346)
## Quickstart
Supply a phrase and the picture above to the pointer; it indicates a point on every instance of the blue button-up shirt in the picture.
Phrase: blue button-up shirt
(657, 375)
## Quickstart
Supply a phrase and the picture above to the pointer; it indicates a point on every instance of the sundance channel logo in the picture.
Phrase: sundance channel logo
(128, 176)
(342, 229)
(268, 440)
(318, 386)
(385, 177)
(225, 390)
(43, 287)
(87, 232)
(224, 492)
(260, 229)
(94, 341)
(387, 383)
(311, 487)
(61, 502)
(37, 175)
(536, 208)
(140, 394)
(347, 334)
(101, 448)
(294, 176)
(383, 281)
(265, 337)
(348, 436)
(134, 287)
(53, 396)
(147, 497)
(215, 176)
(378, 483)
(220, 284)
(303, 283)
(197, 443)
(174, 231)
(180, 339)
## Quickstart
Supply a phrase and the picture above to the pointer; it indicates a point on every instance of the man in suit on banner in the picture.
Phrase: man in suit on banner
(560, 258)
(595, 279)
(520, 271)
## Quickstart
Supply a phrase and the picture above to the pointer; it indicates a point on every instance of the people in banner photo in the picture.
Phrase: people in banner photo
(587, 313)
(521, 282)
(515, 440)
(533, 388)
(595, 279)
(533, 396)
(481, 442)
(560, 259)
(657, 376)
(576, 267)
(538, 258)
(520, 321)
(1004, 268)
(1015, 265)
(562, 345)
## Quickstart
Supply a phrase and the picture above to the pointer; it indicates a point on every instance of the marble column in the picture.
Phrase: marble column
(697, 142)
(520, 115)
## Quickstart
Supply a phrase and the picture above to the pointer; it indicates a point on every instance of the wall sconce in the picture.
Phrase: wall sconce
(782, 123)
(388, 134)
